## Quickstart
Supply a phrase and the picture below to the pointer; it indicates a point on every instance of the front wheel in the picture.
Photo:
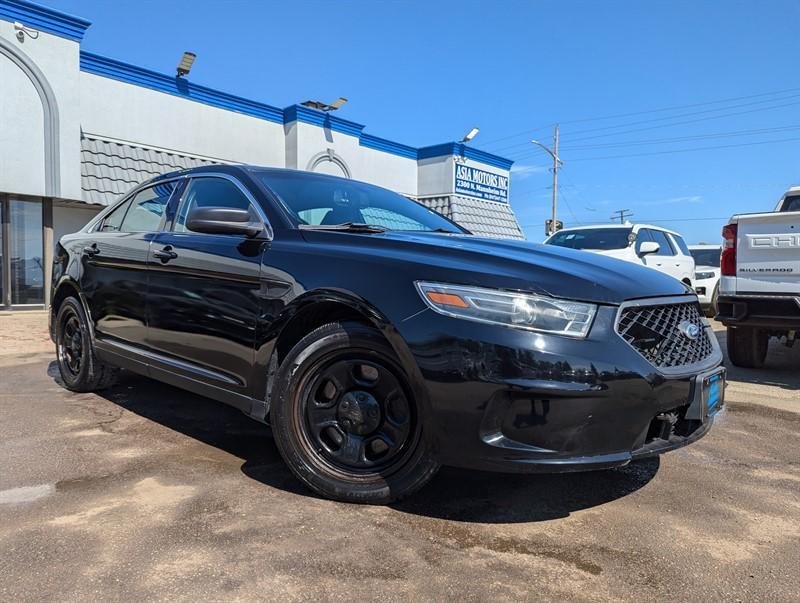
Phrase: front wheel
(345, 419)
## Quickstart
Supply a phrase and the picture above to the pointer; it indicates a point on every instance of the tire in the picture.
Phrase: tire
(344, 418)
(747, 346)
(714, 308)
(80, 369)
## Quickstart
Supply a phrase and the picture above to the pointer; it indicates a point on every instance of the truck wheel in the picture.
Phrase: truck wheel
(747, 346)
(714, 302)
(345, 419)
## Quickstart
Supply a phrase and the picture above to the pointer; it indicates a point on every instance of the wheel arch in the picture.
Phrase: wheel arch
(316, 308)
(67, 287)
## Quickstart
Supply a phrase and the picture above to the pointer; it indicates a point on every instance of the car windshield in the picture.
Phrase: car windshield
(597, 239)
(319, 200)
(706, 257)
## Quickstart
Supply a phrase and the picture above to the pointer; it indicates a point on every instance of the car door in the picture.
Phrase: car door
(114, 264)
(664, 259)
(683, 257)
(203, 298)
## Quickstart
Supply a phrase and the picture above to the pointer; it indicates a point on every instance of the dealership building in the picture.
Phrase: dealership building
(77, 130)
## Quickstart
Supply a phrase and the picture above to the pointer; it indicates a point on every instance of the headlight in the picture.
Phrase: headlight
(518, 310)
(701, 276)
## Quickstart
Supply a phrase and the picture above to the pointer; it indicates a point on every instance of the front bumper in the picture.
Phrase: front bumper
(510, 400)
(705, 291)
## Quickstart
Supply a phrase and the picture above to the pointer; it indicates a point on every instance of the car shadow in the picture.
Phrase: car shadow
(454, 494)
(780, 368)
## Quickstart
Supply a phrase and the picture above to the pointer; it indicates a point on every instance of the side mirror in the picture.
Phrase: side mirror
(223, 220)
(649, 247)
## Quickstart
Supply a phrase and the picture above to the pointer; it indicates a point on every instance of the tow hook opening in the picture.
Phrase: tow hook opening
(669, 424)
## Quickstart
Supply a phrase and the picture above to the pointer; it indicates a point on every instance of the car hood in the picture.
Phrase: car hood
(519, 265)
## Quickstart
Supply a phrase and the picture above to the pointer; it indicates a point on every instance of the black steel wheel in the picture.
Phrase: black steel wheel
(345, 419)
(70, 348)
(80, 369)
(355, 413)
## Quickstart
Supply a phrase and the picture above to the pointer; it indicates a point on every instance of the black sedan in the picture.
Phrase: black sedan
(377, 338)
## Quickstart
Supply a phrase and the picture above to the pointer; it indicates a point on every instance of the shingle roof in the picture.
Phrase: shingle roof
(110, 169)
(482, 218)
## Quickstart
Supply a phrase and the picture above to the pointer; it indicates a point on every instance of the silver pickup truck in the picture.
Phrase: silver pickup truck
(759, 291)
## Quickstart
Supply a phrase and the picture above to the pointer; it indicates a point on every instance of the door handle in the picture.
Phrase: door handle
(91, 250)
(166, 254)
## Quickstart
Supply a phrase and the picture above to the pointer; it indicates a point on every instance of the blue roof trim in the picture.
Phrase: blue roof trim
(138, 76)
(387, 146)
(307, 115)
(131, 74)
(462, 150)
(44, 19)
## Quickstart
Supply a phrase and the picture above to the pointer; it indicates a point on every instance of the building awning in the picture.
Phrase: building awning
(111, 168)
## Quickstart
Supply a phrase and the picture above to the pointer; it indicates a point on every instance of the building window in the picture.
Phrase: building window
(26, 252)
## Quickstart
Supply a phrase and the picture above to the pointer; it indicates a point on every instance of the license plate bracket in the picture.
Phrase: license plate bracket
(708, 395)
(712, 392)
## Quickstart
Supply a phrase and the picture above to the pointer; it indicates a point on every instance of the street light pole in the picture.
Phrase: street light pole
(556, 164)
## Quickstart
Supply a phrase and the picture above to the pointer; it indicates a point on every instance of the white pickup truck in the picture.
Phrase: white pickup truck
(759, 290)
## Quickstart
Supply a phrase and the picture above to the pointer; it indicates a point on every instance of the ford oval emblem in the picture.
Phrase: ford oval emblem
(689, 330)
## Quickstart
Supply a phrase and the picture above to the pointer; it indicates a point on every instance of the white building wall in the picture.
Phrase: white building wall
(57, 59)
(71, 218)
(21, 132)
(115, 109)
(308, 144)
(435, 176)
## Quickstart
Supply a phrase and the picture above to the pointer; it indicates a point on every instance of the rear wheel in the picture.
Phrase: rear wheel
(345, 420)
(80, 369)
(747, 346)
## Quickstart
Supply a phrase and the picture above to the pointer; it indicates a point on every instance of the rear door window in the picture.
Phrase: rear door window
(147, 208)
(665, 247)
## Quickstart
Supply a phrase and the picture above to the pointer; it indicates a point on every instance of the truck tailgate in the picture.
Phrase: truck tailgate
(768, 253)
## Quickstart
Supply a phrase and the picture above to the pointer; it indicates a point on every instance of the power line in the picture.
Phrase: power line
(677, 123)
(621, 215)
(679, 115)
(643, 112)
(725, 146)
(684, 138)
(676, 107)
(667, 125)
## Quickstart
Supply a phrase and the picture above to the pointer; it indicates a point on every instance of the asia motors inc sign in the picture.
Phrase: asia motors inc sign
(473, 182)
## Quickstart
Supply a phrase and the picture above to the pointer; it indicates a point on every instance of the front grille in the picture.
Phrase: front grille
(658, 332)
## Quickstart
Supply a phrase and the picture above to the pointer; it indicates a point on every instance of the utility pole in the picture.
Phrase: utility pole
(622, 215)
(557, 163)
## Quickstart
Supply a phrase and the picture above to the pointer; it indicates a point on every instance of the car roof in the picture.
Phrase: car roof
(706, 246)
(628, 226)
(242, 168)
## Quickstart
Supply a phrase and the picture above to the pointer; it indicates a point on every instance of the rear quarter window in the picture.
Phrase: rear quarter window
(681, 244)
(791, 204)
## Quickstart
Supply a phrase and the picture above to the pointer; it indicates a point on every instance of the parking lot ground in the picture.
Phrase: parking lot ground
(148, 492)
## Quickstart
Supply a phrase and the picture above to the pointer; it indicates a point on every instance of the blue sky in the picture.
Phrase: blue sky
(426, 72)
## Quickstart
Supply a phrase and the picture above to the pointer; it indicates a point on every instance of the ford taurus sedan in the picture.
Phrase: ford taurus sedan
(377, 339)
